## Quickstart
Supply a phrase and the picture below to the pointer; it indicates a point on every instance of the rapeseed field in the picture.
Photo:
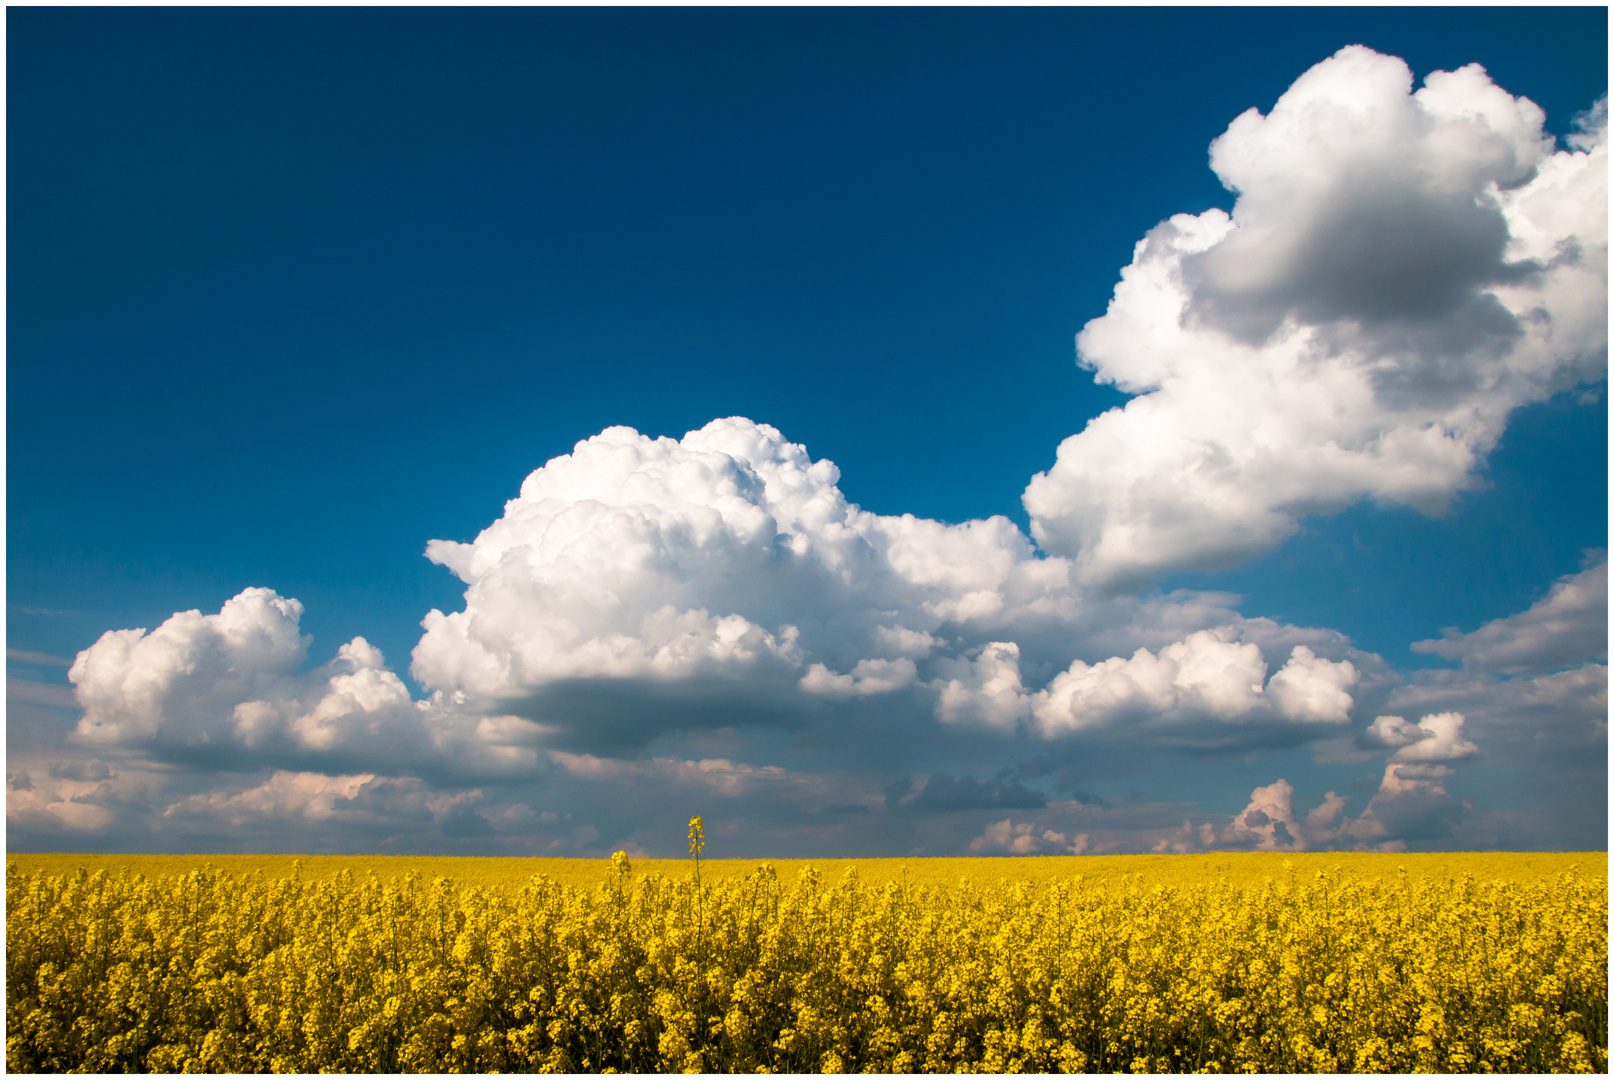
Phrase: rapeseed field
(1217, 963)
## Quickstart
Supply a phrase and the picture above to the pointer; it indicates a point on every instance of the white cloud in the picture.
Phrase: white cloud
(1411, 802)
(729, 553)
(55, 808)
(1568, 625)
(227, 690)
(867, 678)
(1550, 731)
(1211, 674)
(1549, 728)
(315, 804)
(730, 563)
(1312, 689)
(178, 682)
(986, 689)
(1204, 674)
(1437, 737)
(1006, 838)
(639, 587)
(1399, 272)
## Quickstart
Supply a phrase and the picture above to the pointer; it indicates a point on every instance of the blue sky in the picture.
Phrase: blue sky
(294, 292)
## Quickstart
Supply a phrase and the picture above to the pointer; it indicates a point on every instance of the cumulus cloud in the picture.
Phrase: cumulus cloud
(737, 546)
(728, 556)
(1210, 675)
(1410, 804)
(54, 808)
(1549, 730)
(1567, 626)
(227, 691)
(1400, 271)
(1268, 822)
(284, 795)
(1527, 694)
(1437, 737)
(1006, 838)
(729, 563)
(642, 589)
(363, 805)
(876, 676)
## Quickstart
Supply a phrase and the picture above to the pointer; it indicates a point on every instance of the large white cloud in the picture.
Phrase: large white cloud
(1400, 271)
(727, 553)
(729, 561)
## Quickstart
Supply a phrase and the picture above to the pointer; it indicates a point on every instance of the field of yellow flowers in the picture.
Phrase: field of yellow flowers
(1224, 963)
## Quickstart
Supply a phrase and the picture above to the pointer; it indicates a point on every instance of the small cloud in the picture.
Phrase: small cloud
(1437, 737)
(1006, 838)
(38, 659)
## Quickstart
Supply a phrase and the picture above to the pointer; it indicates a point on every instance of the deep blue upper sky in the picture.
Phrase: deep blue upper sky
(293, 291)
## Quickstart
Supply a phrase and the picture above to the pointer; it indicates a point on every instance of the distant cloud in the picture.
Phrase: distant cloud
(60, 697)
(1529, 699)
(1551, 729)
(362, 805)
(1006, 838)
(1568, 625)
(1400, 271)
(1410, 804)
(38, 659)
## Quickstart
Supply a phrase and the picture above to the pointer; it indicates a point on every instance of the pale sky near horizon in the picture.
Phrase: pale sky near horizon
(882, 432)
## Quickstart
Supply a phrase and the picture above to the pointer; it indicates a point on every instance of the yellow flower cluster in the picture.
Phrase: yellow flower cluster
(1297, 970)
